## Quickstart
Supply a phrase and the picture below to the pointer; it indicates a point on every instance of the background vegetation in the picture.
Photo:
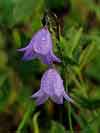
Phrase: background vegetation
(75, 28)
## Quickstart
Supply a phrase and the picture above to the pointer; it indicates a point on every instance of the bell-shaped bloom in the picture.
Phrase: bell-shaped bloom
(51, 86)
(40, 47)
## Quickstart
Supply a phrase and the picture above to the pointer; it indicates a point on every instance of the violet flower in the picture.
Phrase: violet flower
(40, 47)
(51, 86)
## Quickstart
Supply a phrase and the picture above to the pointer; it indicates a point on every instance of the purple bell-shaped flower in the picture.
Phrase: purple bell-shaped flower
(51, 86)
(40, 47)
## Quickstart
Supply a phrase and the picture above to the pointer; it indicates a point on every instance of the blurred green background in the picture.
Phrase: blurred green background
(76, 23)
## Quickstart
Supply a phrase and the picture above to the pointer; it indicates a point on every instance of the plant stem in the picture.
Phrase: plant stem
(69, 117)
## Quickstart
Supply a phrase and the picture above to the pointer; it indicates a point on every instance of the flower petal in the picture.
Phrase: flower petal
(50, 58)
(43, 42)
(67, 98)
(47, 59)
(38, 94)
(55, 58)
(29, 55)
(28, 47)
(22, 49)
(41, 100)
(58, 100)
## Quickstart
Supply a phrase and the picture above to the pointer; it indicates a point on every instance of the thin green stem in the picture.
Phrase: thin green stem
(35, 123)
(70, 120)
(26, 117)
(64, 70)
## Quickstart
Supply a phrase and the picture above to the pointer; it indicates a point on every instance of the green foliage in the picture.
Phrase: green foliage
(71, 43)
(4, 92)
(57, 128)
(30, 109)
(24, 10)
(93, 7)
(6, 12)
(78, 46)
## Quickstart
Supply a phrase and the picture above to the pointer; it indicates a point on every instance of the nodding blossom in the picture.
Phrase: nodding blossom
(40, 47)
(51, 86)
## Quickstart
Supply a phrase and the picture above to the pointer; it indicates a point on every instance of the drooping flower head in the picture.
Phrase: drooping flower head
(51, 86)
(40, 47)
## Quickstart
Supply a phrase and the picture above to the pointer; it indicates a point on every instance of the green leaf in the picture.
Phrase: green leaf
(87, 55)
(76, 40)
(3, 77)
(69, 46)
(16, 38)
(6, 12)
(2, 41)
(3, 60)
(93, 7)
(92, 71)
(88, 103)
(26, 117)
(4, 94)
(25, 10)
(35, 123)
(57, 128)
